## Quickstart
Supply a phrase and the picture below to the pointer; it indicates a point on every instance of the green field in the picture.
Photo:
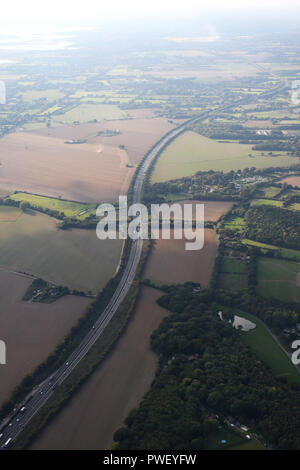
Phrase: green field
(235, 223)
(295, 206)
(266, 202)
(233, 266)
(74, 258)
(33, 95)
(277, 278)
(271, 191)
(234, 440)
(191, 152)
(69, 208)
(282, 252)
(233, 281)
(249, 445)
(234, 275)
(264, 345)
(90, 112)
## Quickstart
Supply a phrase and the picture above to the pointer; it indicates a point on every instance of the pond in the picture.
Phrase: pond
(243, 323)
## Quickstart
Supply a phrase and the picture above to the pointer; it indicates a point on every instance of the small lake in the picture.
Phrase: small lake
(239, 322)
(243, 323)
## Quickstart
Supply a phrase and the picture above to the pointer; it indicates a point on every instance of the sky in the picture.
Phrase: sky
(32, 11)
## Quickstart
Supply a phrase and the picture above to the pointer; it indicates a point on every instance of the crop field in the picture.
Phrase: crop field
(75, 258)
(233, 266)
(235, 223)
(283, 252)
(233, 281)
(169, 262)
(50, 95)
(271, 191)
(137, 135)
(89, 420)
(278, 278)
(213, 210)
(5, 192)
(89, 112)
(34, 125)
(69, 208)
(222, 71)
(191, 152)
(266, 202)
(264, 345)
(9, 214)
(47, 166)
(233, 275)
(295, 206)
(30, 330)
(293, 180)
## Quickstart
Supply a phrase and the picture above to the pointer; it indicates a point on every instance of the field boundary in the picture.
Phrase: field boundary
(103, 346)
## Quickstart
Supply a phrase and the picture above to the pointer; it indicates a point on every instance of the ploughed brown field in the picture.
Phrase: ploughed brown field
(30, 330)
(5, 192)
(137, 135)
(47, 166)
(293, 180)
(213, 210)
(90, 419)
(169, 262)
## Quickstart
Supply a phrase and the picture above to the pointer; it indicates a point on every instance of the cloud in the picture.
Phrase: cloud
(64, 10)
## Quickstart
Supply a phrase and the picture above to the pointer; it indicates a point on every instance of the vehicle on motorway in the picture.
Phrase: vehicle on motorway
(7, 443)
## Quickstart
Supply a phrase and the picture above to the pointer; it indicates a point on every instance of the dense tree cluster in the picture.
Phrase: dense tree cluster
(204, 364)
(275, 313)
(273, 225)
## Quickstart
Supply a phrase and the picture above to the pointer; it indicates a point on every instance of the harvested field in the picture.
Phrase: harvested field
(99, 408)
(137, 135)
(31, 330)
(5, 192)
(47, 166)
(89, 112)
(213, 210)
(69, 132)
(142, 113)
(169, 262)
(9, 214)
(293, 180)
(191, 152)
(75, 258)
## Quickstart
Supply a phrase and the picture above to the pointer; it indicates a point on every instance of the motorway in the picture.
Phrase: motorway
(19, 419)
